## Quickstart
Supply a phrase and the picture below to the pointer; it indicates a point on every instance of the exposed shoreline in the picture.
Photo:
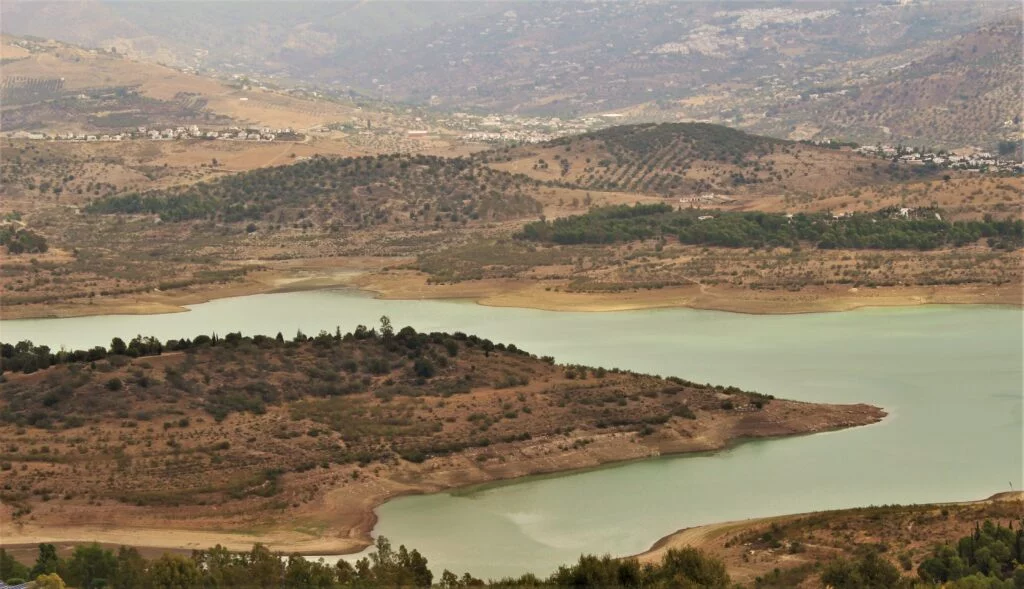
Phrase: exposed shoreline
(530, 294)
(348, 513)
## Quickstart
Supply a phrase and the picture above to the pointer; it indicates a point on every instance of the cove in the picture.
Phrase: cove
(949, 376)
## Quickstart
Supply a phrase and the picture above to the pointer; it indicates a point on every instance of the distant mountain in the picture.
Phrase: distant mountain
(775, 69)
(536, 56)
(966, 92)
(54, 86)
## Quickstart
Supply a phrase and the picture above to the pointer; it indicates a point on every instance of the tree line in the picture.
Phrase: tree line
(884, 229)
(989, 558)
(26, 357)
(91, 566)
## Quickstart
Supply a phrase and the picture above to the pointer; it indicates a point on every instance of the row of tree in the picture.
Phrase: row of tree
(885, 229)
(24, 356)
(93, 567)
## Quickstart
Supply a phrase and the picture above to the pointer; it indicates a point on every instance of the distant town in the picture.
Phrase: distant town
(979, 161)
(169, 134)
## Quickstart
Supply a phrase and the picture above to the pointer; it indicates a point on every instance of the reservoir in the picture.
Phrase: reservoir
(950, 378)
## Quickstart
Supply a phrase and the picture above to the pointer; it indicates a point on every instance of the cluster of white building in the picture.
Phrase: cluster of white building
(164, 134)
(515, 128)
(981, 160)
(508, 136)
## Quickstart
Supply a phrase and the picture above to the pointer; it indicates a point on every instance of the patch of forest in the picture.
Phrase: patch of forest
(343, 192)
(885, 229)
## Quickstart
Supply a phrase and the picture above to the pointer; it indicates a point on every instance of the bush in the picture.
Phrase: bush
(424, 368)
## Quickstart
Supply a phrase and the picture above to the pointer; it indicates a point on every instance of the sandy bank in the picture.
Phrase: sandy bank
(370, 274)
(706, 536)
(551, 296)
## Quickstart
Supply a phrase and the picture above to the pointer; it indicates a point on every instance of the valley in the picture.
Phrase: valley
(439, 226)
(267, 277)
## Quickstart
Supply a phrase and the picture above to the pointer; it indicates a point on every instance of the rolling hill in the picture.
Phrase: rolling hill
(57, 87)
(943, 74)
(511, 55)
(350, 192)
(687, 159)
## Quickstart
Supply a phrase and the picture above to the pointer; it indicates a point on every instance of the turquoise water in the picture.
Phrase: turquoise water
(949, 376)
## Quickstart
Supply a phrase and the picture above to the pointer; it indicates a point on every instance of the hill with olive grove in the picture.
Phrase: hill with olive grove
(689, 159)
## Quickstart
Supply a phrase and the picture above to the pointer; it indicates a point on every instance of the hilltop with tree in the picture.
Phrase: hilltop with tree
(351, 192)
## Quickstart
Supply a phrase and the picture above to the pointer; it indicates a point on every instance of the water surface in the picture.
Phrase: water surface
(949, 376)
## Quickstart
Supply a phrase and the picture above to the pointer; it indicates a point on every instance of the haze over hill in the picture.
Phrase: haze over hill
(747, 65)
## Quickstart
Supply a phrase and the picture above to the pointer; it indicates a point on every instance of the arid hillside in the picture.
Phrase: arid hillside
(47, 85)
(960, 195)
(689, 159)
(306, 436)
(962, 93)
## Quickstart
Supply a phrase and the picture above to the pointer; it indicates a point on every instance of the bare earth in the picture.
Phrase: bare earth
(363, 273)
(533, 295)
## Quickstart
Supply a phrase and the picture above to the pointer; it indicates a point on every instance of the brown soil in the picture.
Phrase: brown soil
(314, 274)
(539, 295)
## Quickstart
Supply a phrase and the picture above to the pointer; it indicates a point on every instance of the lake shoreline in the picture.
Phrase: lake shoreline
(347, 514)
(527, 294)
(799, 540)
(698, 536)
